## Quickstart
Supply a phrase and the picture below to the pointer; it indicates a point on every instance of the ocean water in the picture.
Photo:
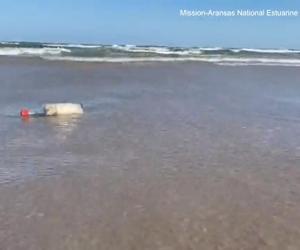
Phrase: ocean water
(134, 53)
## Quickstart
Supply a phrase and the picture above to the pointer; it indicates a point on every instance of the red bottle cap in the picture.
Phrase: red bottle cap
(25, 113)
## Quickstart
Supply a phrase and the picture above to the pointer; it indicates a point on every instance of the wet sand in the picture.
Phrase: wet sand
(167, 156)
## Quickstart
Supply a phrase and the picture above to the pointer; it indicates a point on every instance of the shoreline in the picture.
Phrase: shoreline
(217, 62)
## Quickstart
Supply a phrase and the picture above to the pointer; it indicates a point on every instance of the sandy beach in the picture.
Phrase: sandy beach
(168, 156)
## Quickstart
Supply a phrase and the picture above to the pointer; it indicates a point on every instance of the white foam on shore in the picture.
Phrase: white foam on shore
(259, 64)
(9, 51)
(217, 60)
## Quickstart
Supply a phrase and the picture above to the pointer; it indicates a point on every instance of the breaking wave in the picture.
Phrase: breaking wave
(58, 45)
(133, 53)
(7, 51)
(269, 51)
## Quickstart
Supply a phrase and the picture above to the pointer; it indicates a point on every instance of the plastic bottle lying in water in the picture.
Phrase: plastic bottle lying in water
(52, 109)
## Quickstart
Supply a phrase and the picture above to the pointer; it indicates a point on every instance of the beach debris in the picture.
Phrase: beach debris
(26, 113)
(62, 109)
(54, 109)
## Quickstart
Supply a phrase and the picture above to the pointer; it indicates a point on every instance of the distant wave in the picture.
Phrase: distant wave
(9, 43)
(157, 50)
(61, 45)
(7, 51)
(267, 51)
(211, 49)
(197, 50)
(221, 61)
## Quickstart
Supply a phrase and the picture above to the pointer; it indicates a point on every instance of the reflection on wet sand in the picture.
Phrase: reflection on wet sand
(63, 125)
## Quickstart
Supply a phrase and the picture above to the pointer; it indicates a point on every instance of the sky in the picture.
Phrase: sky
(148, 22)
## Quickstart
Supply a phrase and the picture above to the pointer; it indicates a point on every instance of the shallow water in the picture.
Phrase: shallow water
(166, 156)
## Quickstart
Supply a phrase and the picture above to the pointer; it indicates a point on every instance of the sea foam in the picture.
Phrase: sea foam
(216, 60)
(11, 51)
